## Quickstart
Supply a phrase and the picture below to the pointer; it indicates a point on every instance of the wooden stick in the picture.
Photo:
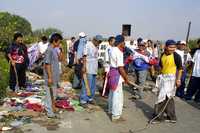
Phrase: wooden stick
(86, 84)
(105, 84)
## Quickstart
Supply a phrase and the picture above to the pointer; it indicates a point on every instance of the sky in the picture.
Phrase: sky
(151, 19)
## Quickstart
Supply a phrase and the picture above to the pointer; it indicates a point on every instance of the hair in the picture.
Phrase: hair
(16, 35)
(150, 41)
(139, 40)
(111, 38)
(44, 38)
(198, 41)
(55, 37)
(72, 38)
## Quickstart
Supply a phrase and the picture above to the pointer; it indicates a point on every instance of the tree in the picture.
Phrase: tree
(9, 24)
(45, 32)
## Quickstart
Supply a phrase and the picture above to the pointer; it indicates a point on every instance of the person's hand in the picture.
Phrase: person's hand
(13, 62)
(50, 81)
(84, 70)
(178, 83)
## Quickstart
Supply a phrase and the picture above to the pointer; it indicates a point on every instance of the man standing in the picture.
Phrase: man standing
(71, 52)
(51, 72)
(141, 65)
(18, 57)
(105, 90)
(90, 68)
(78, 59)
(193, 87)
(116, 76)
(167, 82)
(186, 59)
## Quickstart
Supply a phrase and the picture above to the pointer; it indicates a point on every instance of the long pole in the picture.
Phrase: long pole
(188, 32)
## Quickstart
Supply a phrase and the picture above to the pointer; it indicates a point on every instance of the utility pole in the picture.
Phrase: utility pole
(188, 32)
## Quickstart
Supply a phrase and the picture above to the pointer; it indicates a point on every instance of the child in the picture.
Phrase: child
(51, 72)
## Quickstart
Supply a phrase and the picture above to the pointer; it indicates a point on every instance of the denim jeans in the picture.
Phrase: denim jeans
(141, 78)
(48, 101)
(84, 98)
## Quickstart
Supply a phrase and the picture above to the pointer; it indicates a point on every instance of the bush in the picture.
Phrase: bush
(4, 76)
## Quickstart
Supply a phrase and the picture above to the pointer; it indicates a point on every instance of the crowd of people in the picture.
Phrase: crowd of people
(169, 66)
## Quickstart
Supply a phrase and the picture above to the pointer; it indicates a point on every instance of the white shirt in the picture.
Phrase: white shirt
(116, 59)
(91, 52)
(42, 47)
(196, 60)
(107, 58)
(181, 53)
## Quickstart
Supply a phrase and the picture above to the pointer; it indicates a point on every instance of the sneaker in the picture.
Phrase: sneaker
(84, 105)
(120, 119)
(155, 122)
(92, 102)
(170, 121)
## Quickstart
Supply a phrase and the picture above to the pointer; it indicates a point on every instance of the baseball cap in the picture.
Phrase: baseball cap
(82, 34)
(98, 38)
(119, 39)
(170, 42)
(183, 42)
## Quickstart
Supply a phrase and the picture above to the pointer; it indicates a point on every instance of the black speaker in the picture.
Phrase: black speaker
(126, 29)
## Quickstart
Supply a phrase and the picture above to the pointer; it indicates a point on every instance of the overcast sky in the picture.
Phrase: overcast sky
(156, 19)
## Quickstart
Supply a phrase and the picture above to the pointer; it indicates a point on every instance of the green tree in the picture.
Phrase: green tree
(9, 24)
(45, 32)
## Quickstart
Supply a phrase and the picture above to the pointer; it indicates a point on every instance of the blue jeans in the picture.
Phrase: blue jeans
(180, 90)
(48, 101)
(84, 98)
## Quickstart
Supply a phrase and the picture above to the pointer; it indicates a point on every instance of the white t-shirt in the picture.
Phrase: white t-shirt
(181, 53)
(196, 60)
(91, 52)
(42, 47)
(116, 59)
(107, 58)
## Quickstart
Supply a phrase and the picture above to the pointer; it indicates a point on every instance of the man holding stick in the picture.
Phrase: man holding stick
(89, 71)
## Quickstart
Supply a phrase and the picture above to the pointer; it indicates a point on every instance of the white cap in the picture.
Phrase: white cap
(145, 40)
(82, 34)
(182, 42)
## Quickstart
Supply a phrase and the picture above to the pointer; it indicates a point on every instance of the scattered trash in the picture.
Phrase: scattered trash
(16, 124)
(5, 128)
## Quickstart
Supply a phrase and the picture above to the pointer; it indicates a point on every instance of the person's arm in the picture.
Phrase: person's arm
(49, 73)
(123, 74)
(179, 66)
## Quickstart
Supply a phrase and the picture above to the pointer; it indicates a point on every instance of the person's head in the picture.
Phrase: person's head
(181, 45)
(73, 39)
(139, 40)
(44, 39)
(111, 40)
(56, 39)
(82, 35)
(97, 40)
(170, 46)
(120, 42)
(142, 46)
(131, 42)
(150, 43)
(198, 42)
(18, 38)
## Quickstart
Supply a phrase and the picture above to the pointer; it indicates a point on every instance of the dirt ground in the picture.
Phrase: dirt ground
(136, 112)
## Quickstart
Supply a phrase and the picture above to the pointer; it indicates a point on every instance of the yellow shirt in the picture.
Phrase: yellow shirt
(168, 64)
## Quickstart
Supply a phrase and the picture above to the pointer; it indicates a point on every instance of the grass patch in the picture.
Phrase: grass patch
(4, 75)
